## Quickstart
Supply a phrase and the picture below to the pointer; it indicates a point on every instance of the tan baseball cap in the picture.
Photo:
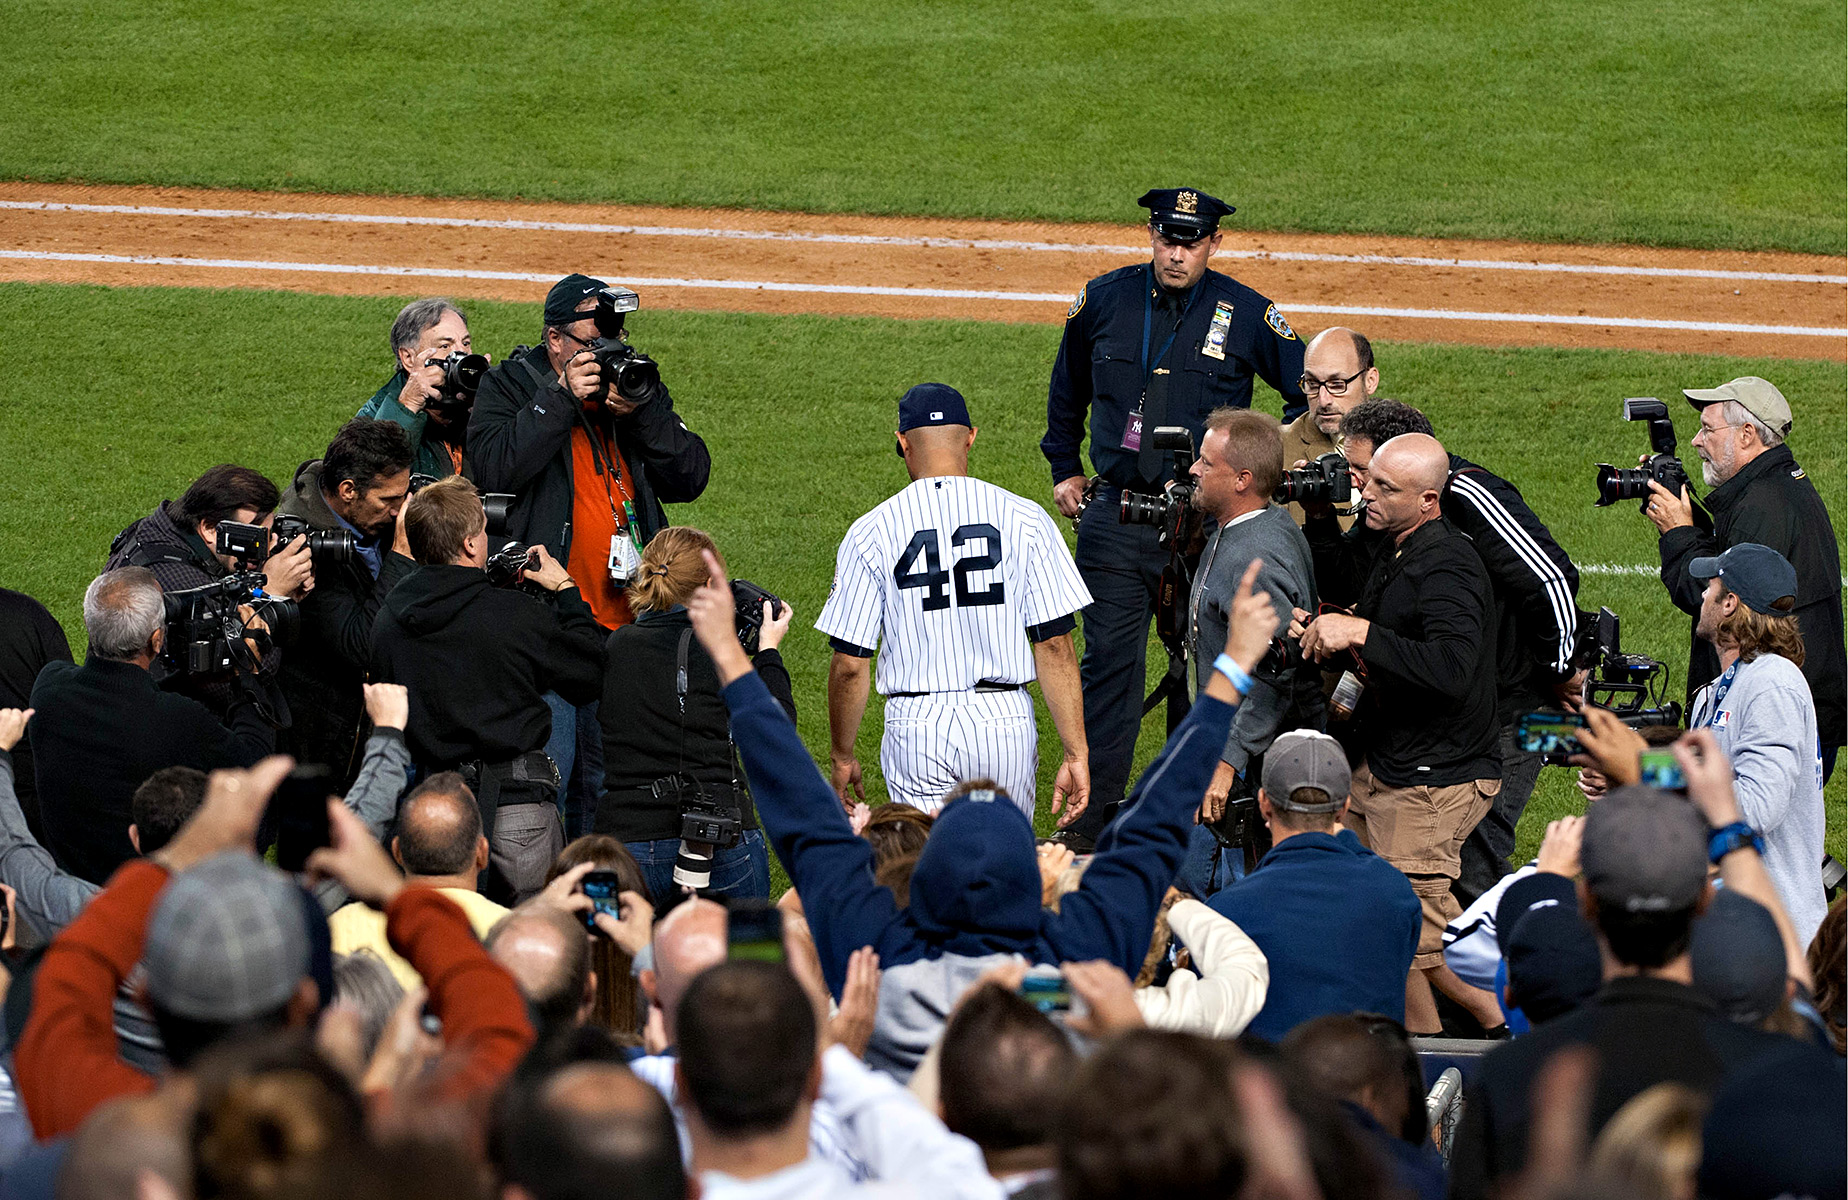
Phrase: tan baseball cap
(1759, 396)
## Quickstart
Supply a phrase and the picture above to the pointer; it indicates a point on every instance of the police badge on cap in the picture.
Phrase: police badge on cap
(1184, 214)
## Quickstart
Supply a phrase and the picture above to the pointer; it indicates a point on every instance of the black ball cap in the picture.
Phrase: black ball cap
(1184, 214)
(562, 301)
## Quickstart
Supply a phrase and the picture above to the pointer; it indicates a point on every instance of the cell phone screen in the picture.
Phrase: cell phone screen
(1047, 992)
(754, 931)
(1546, 733)
(1660, 770)
(604, 889)
(298, 813)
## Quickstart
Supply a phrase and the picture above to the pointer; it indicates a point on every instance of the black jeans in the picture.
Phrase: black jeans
(1121, 564)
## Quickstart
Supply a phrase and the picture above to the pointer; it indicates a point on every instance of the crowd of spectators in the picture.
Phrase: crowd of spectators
(530, 947)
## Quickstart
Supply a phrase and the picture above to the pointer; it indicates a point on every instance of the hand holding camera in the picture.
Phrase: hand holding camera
(290, 568)
(582, 377)
(421, 385)
(1667, 510)
(546, 571)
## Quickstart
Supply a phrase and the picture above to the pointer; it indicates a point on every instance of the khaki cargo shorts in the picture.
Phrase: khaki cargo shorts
(1421, 831)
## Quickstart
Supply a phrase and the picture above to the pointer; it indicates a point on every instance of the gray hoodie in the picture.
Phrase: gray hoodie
(1766, 723)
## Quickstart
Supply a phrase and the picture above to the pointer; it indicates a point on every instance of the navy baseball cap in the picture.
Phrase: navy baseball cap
(1553, 961)
(1758, 575)
(930, 404)
(562, 301)
(1184, 214)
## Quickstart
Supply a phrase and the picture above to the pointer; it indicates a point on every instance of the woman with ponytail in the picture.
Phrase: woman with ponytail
(666, 735)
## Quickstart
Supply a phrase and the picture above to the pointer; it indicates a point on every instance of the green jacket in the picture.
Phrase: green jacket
(432, 455)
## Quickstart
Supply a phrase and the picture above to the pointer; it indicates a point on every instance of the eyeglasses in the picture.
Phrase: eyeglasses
(1334, 387)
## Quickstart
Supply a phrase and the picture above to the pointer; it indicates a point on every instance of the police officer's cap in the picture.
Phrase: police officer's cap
(1184, 214)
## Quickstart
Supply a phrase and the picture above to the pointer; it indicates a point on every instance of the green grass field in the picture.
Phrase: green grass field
(114, 399)
(1678, 123)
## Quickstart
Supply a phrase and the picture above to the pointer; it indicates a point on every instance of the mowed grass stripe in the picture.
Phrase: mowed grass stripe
(1692, 123)
(114, 399)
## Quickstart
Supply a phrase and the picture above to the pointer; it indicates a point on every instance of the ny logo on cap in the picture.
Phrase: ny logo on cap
(936, 416)
(1187, 202)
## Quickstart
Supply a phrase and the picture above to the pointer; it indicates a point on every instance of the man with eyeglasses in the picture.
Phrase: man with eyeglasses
(1161, 343)
(589, 468)
(1759, 495)
(1338, 373)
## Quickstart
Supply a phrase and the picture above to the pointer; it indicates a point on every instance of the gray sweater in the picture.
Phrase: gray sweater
(1766, 724)
(1284, 695)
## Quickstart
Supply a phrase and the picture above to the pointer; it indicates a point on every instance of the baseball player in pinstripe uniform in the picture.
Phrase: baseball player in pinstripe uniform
(967, 593)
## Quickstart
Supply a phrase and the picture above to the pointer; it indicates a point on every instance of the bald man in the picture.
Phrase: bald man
(586, 1126)
(547, 951)
(1338, 374)
(439, 845)
(1422, 639)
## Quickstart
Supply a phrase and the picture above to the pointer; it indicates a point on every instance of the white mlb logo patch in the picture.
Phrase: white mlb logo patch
(1723, 718)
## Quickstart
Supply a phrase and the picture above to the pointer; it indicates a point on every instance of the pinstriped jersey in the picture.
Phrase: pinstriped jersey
(944, 579)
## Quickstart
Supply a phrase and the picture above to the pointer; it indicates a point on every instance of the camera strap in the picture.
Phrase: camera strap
(680, 695)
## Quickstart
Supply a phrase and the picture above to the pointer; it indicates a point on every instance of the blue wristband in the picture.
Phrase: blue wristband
(1727, 838)
(1241, 682)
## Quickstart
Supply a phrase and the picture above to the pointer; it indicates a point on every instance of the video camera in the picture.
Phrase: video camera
(1171, 512)
(1618, 483)
(1631, 686)
(206, 631)
(634, 375)
(749, 600)
(1324, 481)
(461, 379)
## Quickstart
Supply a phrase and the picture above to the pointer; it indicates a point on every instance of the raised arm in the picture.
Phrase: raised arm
(46, 896)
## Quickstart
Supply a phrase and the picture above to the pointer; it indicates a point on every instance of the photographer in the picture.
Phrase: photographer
(666, 734)
(103, 728)
(589, 464)
(355, 491)
(425, 335)
(1234, 476)
(478, 661)
(1759, 495)
(1425, 726)
(178, 541)
(1536, 614)
(1338, 376)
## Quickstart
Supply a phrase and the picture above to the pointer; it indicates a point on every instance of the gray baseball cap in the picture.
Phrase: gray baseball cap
(1645, 850)
(1304, 758)
(1758, 575)
(1759, 396)
(227, 941)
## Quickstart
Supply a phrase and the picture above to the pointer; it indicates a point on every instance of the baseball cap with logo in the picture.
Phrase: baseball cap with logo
(1644, 850)
(1759, 397)
(1304, 758)
(227, 941)
(930, 404)
(1758, 575)
(1184, 214)
(562, 301)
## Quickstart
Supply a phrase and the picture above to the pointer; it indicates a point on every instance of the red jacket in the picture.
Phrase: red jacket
(65, 1064)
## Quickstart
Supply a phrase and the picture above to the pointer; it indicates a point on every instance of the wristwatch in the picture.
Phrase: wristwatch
(1727, 838)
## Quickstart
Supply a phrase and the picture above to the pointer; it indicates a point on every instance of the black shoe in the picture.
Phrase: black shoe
(1074, 841)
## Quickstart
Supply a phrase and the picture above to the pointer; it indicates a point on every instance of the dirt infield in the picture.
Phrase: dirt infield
(1486, 293)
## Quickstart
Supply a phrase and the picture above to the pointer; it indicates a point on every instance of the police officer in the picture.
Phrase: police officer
(1160, 343)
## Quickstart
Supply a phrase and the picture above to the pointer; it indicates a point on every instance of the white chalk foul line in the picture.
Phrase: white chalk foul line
(849, 289)
(869, 239)
(1644, 569)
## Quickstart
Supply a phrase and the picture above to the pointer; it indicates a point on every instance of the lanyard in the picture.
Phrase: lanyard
(609, 467)
(1148, 325)
(1719, 693)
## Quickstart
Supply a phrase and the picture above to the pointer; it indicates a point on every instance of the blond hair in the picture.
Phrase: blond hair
(1755, 633)
(440, 518)
(672, 568)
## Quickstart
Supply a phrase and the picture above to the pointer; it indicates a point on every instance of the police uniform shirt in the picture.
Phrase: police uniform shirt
(1226, 333)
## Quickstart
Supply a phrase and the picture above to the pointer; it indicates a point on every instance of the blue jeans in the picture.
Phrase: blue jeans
(1199, 873)
(576, 745)
(742, 871)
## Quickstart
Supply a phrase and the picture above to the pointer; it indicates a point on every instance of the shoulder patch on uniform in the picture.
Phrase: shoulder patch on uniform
(1076, 305)
(1797, 473)
(1275, 320)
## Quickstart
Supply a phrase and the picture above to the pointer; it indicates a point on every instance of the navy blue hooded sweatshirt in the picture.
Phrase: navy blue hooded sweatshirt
(975, 895)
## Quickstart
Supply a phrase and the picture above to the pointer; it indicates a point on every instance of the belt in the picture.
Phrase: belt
(487, 780)
(986, 685)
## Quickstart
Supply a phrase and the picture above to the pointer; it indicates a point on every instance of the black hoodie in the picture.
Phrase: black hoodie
(478, 661)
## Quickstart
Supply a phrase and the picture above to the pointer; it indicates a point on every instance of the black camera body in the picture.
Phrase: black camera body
(1619, 483)
(1171, 512)
(1324, 481)
(706, 826)
(461, 379)
(749, 600)
(505, 565)
(206, 632)
(498, 506)
(631, 373)
(328, 547)
(248, 544)
(1630, 685)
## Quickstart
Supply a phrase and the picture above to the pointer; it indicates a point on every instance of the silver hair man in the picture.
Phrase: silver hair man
(122, 611)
